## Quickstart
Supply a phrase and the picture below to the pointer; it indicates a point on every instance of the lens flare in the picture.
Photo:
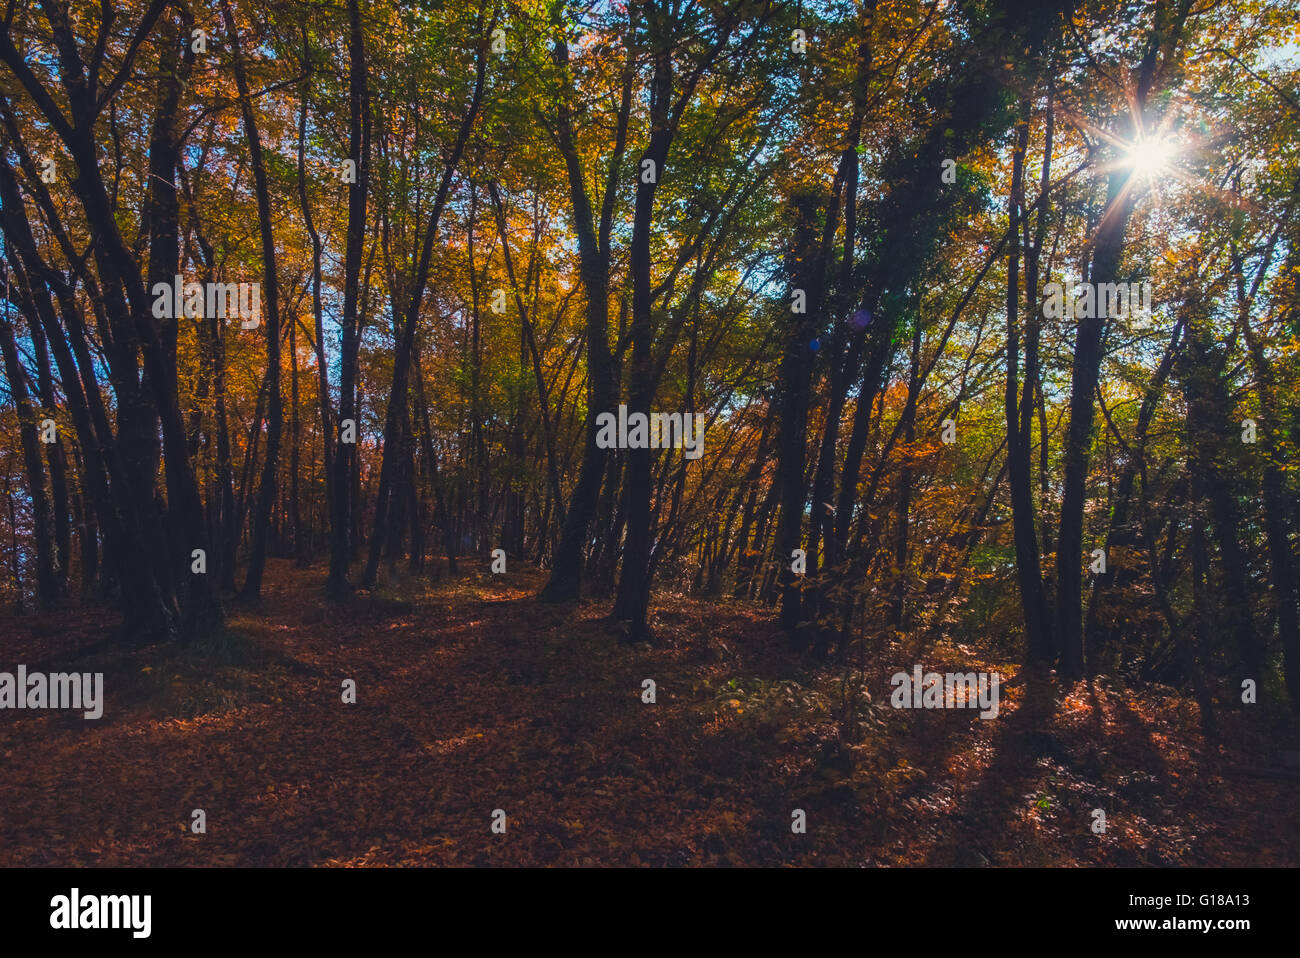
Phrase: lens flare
(1151, 158)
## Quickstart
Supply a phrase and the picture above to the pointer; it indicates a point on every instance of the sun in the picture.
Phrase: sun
(1149, 158)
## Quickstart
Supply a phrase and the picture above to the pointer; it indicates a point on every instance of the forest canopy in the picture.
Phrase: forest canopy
(963, 321)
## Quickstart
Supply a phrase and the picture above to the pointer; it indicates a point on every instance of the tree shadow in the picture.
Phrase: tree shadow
(1023, 738)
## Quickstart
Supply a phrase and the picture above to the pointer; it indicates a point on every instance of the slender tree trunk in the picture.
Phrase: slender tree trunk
(795, 376)
(271, 299)
(295, 435)
(15, 565)
(1078, 441)
(56, 458)
(898, 597)
(844, 368)
(565, 580)
(631, 603)
(1028, 572)
(317, 309)
(346, 498)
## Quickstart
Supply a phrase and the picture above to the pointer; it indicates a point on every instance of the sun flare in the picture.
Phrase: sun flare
(1149, 158)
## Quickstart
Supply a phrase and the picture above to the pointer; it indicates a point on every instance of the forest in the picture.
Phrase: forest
(539, 432)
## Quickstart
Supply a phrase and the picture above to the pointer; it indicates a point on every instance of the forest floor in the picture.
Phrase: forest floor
(472, 696)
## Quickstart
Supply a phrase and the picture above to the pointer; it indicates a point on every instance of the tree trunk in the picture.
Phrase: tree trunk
(346, 502)
(565, 580)
(271, 298)
(1028, 572)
